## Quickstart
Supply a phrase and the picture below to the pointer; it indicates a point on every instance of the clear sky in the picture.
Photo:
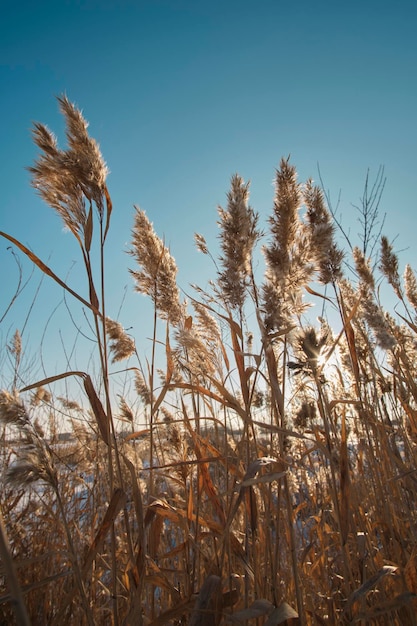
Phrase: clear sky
(180, 95)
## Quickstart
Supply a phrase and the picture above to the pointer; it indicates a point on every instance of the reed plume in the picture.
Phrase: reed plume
(373, 314)
(34, 460)
(85, 159)
(201, 243)
(193, 352)
(238, 236)
(157, 276)
(327, 254)
(122, 346)
(65, 179)
(410, 284)
(289, 262)
(389, 266)
(142, 389)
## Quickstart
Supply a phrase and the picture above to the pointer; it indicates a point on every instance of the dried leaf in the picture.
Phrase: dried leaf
(255, 466)
(386, 607)
(317, 294)
(257, 609)
(88, 231)
(408, 322)
(95, 402)
(97, 407)
(368, 585)
(249, 480)
(137, 434)
(236, 334)
(51, 379)
(283, 612)
(118, 500)
(109, 207)
(188, 322)
(163, 509)
(46, 270)
(265, 479)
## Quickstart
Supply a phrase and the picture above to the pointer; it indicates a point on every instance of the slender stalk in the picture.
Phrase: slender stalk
(152, 412)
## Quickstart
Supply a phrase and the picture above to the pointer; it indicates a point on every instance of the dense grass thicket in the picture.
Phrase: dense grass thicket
(275, 481)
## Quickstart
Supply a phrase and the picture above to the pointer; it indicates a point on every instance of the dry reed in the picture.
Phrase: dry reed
(275, 477)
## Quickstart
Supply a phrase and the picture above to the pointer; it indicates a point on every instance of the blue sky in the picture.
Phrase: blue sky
(182, 94)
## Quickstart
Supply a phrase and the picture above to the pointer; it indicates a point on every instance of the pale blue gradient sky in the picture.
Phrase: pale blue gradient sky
(182, 94)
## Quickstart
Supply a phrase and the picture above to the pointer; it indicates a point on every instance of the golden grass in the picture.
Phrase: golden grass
(275, 480)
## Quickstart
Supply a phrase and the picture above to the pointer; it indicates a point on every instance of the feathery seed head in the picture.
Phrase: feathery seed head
(389, 266)
(157, 276)
(70, 405)
(15, 346)
(206, 324)
(45, 140)
(305, 414)
(377, 320)
(372, 312)
(121, 345)
(277, 312)
(40, 395)
(328, 256)
(308, 346)
(199, 359)
(310, 343)
(363, 269)
(238, 235)
(378, 323)
(65, 179)
(289, 258)
(12, 410)
(34, 464)
(125, 410)
(54, 180)
(285, 221)
(200, 243)
(142, 388)
(88, 164)
(34, 460)
(410, 284)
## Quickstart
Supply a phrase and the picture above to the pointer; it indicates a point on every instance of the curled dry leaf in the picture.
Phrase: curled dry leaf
(257, 609)
(279, 615)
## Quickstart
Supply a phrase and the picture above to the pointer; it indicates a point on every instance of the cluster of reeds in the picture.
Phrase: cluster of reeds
(275, 481)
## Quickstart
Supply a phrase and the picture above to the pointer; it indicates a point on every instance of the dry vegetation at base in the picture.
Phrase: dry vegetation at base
(275, 481)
